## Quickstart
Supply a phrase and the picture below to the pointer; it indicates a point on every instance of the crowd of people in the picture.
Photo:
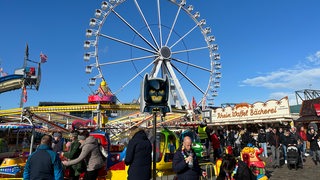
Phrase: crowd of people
(81, 154)
(81, 157)
(275, 140)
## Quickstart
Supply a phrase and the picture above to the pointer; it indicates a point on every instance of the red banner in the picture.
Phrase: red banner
(317, 108)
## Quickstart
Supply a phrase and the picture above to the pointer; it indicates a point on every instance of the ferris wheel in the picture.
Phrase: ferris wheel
(129, 38)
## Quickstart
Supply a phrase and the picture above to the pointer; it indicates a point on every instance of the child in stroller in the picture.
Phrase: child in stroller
(294, 158)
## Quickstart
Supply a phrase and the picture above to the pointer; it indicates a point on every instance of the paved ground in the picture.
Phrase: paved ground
(309, 171)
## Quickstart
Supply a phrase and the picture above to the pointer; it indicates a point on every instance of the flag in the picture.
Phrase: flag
(25, 95)
(194, 103)
(43, 58)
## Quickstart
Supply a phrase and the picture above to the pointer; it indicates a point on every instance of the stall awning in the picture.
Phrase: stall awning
(308, 119)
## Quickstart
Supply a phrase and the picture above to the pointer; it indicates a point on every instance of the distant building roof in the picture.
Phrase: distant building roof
(295, 108)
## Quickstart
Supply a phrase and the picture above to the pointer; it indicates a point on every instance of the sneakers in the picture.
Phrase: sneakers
(285, 161)
(306, 154)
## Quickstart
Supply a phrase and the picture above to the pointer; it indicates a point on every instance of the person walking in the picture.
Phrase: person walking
(283, 136)
(74, 152)
(275, 147)
(138, 155)
(313, 137)
(44, 163)
(215, 146)
(262, 140)
(185, 162)
(304, 139)
(91, 155)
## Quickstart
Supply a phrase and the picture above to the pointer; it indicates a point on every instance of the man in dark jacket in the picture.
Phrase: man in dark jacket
(313, 137)
(44, 163)
(274, 142)
(185, 162)
(138, 155)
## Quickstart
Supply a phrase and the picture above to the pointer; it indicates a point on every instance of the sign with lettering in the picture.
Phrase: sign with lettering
(259, 110)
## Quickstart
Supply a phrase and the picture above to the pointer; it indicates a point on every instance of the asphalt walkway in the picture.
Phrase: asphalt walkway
(309, 171)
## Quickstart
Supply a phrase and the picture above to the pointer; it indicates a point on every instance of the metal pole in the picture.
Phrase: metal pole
(154, 172)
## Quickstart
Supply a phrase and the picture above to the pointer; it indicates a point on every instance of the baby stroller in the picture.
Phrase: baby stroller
(294, 159)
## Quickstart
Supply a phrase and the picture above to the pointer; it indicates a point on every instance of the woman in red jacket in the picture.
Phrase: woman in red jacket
(215, 146)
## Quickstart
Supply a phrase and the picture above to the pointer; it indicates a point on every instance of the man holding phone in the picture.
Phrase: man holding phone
(185, 162)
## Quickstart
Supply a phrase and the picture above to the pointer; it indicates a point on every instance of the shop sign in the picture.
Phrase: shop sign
(258, 110)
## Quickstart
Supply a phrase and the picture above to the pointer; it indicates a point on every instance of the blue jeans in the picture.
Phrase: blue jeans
(316, 155)
(265, 150)
(284, 149)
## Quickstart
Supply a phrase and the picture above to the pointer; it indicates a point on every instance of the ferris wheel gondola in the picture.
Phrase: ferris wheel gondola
(128, 38)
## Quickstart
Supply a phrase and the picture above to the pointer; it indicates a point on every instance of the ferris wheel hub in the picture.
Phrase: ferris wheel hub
(165, 52)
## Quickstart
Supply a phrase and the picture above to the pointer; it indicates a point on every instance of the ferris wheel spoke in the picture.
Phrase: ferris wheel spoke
(190, 64)
(159, 22)
(156, 69)
(138, 74)
(173, 25)
(146, 23)
(189, 50)
(185, 76)
(134, 30)
(127, 43)
(127, 60)
(183, 96)
(186, 34)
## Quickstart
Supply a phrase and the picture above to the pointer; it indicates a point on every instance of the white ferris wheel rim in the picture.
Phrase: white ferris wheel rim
(161, 50)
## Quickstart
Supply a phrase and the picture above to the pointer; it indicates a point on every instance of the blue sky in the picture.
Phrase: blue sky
(269, 49)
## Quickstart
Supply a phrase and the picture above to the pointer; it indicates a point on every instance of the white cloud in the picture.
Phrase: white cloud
(315, 58)
(302, 76)
(291, 96)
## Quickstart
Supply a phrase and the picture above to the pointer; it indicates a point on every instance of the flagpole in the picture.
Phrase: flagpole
(26, 57)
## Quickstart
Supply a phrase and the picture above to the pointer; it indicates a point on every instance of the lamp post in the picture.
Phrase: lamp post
(155, 97)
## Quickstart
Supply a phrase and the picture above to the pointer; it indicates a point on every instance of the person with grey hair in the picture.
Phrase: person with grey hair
(44, 163)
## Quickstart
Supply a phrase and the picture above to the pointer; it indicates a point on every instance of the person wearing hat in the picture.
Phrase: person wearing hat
(57, 144)
(90, 154)
(73, 153)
